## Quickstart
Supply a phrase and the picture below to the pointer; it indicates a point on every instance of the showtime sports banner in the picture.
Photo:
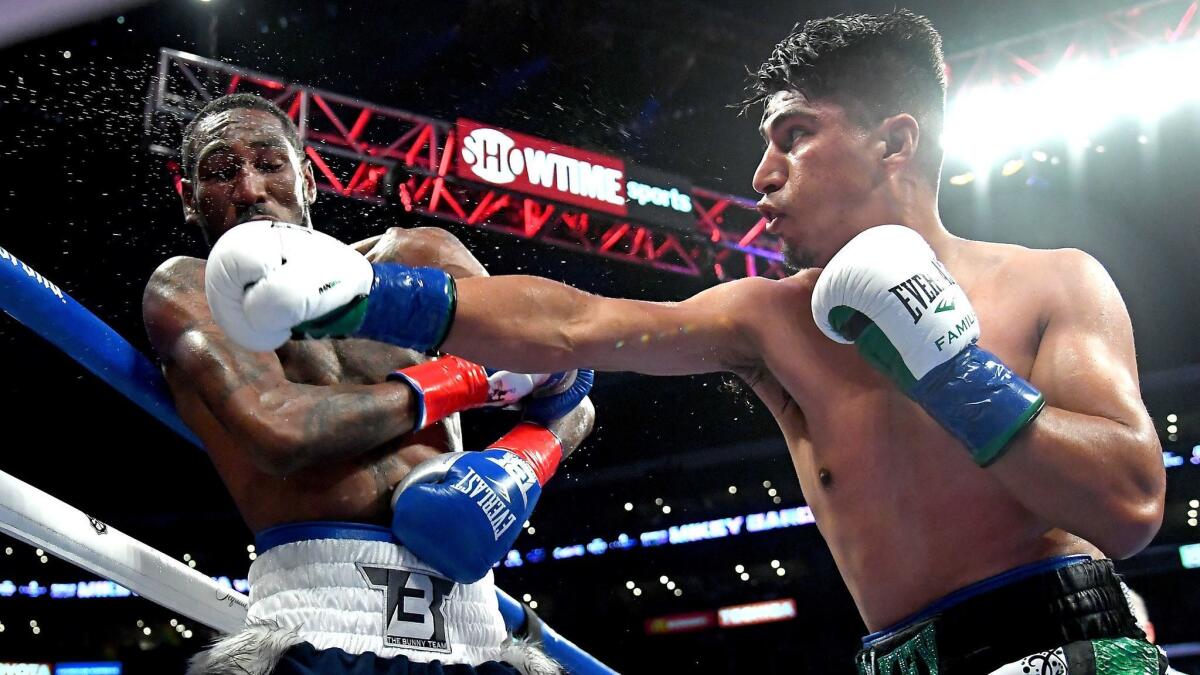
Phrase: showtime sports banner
(541, 168)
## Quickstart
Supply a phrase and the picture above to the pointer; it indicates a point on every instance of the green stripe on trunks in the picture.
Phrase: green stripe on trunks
(1125, 656)
(917, 655)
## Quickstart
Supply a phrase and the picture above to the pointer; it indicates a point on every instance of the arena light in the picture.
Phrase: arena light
(1012, 166)
(1073, 102)
(1189, 555)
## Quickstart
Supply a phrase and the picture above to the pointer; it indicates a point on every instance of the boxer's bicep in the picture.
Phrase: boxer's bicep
(234, 384)
(1085, 361)
(423, 247)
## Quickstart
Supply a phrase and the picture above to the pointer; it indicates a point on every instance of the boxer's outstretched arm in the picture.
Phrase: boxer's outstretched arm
(1091, 463)
(286, 426)
(538, 325)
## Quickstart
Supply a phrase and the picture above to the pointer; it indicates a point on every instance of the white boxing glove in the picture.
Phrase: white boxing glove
(265, 277)
(890, 275)
(886, 292)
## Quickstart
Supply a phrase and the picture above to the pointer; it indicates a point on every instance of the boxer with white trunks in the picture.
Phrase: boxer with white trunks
(375, 534)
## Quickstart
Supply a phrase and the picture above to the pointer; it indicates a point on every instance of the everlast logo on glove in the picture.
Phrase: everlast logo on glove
(520, 471)
(923, 289)
(494, 507)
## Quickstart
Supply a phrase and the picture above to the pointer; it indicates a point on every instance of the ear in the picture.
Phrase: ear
(310, 183)
(187, 193)
(901, 135)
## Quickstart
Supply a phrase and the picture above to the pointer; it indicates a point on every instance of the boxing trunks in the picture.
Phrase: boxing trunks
(346, 598)
(1063, 616)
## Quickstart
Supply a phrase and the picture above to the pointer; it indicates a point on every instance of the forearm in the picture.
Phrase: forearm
(306, 425)
(538, 325)
(519, 322)
(1094, 477)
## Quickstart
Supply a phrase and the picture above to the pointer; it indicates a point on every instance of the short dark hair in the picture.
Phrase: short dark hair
(233, 102)
(873, 65)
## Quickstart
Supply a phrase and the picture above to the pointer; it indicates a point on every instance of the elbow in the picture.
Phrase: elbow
(565, 341)
(1132, 530)
(1137, 514)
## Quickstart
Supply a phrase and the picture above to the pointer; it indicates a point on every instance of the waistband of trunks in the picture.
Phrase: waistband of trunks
(1029, 613)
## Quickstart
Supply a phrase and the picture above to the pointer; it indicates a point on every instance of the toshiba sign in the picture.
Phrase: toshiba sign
(539, 167)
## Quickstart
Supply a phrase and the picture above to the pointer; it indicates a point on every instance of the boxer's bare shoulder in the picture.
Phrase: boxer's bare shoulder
(423, 247)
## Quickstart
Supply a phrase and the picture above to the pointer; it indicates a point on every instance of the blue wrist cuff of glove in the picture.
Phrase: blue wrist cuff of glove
(546, 410)
(979, 400)
(409, 306)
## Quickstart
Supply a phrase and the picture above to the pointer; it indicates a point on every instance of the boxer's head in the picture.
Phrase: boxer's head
(242, 160)
(852, 120)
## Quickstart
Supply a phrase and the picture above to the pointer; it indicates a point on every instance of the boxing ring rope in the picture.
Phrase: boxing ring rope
(43, 521)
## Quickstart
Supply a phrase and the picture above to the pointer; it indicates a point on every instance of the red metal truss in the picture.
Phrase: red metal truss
(379, 154)
(1106, 36)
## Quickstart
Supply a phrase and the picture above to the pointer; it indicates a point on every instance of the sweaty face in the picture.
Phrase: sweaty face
(816, 175)
(245, 169)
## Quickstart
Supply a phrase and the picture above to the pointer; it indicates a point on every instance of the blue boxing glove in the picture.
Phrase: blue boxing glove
(886, 292)
(461, 512)
(268, 282)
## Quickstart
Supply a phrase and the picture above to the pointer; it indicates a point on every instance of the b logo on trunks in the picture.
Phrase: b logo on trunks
(412, 607)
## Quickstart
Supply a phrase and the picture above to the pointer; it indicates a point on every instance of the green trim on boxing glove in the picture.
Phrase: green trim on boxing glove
(342, 321)
(872, 344)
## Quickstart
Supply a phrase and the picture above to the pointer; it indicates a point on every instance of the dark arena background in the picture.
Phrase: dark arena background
(677, 539)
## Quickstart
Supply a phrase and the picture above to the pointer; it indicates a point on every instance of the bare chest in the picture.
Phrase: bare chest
(851, 432)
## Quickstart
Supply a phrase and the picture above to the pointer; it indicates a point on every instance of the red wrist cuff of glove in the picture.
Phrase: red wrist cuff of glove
(445, 386)
(535, 444)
